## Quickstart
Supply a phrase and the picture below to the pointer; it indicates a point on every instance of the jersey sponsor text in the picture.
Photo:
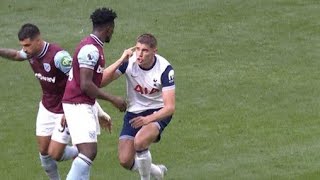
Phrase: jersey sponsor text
(44, 78)
(143, 90)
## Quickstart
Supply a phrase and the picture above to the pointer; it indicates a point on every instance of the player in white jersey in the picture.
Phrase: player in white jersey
(151, 104)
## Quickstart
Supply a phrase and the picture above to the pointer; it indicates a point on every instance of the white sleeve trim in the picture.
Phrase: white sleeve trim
(118, 72)
(88, 56)
(22, 54)
(86, 66)
(168, 88)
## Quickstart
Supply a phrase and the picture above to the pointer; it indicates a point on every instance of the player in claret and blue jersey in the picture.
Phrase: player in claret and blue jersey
(51, 65)
(82, 90)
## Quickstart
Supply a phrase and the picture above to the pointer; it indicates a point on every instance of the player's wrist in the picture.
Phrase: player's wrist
(121, 60)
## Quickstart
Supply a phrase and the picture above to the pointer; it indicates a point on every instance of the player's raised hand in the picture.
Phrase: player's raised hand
(127, 54)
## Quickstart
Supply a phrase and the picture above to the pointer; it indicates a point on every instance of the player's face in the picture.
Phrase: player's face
(109, 32)
(145, 55)
(31, 47)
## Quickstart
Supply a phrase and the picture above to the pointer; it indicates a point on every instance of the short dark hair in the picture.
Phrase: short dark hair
(148, 39)
(28, 31)
(103, 16)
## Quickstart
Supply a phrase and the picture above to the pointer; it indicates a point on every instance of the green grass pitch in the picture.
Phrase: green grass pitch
(247, 85)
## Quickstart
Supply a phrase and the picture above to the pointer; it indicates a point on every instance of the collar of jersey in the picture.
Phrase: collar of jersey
(154, 63)
(97, 39)
(44, 50)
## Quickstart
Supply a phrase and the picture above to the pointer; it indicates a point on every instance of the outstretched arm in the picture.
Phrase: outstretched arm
(88, 87)
(109, 74)
(13, 54)
(88, 57)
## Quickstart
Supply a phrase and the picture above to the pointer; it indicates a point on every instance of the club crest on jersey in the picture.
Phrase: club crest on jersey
(155, 82)
(171, 76)
(92, 134)
(46, 67)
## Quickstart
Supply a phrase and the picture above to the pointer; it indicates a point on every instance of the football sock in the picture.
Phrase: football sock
(144, 164)
(50, 167)
(80, 168)
(154, 171)
(134, 166)
(70, 152)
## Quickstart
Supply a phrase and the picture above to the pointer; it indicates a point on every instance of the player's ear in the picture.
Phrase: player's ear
(155, 50)
(109, 28)
(37, 39)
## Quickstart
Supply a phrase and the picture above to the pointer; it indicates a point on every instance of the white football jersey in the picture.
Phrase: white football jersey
(145, 86)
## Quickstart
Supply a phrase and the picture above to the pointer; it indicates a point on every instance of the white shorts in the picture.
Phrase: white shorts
(49, 124)
(83, 123)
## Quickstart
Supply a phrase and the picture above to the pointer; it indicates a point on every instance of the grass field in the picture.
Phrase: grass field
(247, 84)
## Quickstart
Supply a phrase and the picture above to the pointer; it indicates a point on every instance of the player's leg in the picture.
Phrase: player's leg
(81, 165)
(127, 158)
(62, 152)
(44, 127)
(82, 125)
(58, 148)
(126, 154)
(143, 139)
(48, 164)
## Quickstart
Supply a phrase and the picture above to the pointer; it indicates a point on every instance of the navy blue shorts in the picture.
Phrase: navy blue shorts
(129, 132)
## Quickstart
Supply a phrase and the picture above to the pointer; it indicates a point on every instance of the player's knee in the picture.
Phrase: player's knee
(55, 155)
(93, 155)
(89, 150)
(125, 162)
(43, 150)
(140, 144)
